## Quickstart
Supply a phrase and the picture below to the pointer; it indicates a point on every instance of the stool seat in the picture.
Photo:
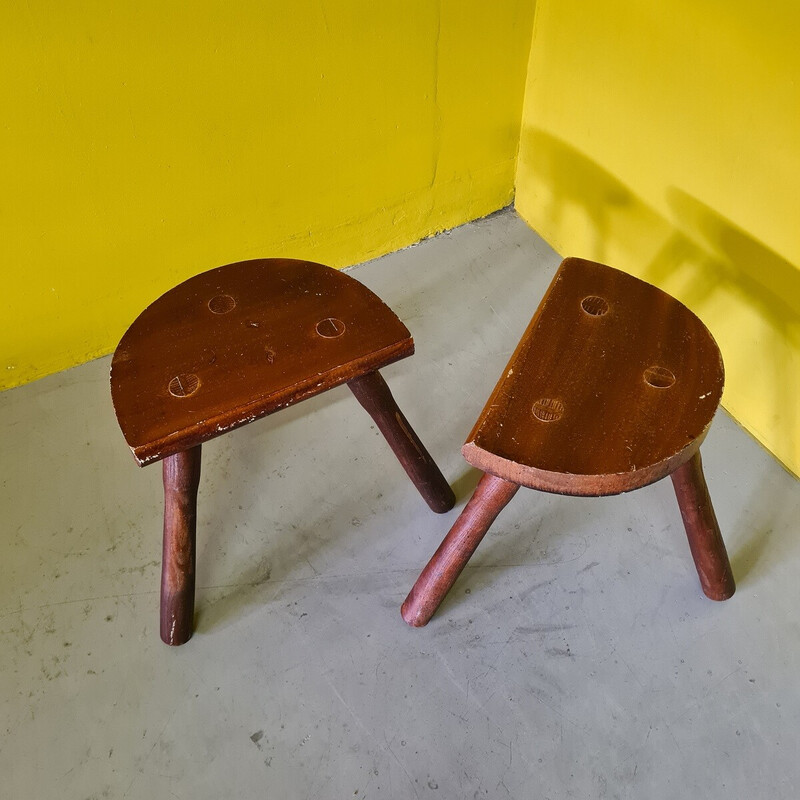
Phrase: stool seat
(612, 386)
(241, 341)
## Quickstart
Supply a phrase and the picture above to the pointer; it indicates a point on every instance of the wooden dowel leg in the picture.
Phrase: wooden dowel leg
(490, 497)
(705, 539)
(374, 395)
(181, 479)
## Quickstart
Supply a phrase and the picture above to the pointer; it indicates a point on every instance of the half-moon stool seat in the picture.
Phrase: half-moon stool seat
(232, 345)
(613, 386)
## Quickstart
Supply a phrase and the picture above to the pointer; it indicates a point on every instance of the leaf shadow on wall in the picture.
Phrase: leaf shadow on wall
(736, 284)
(734, 265)
(577, 185)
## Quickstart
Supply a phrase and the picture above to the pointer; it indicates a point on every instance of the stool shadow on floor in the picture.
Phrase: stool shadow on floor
(291, 544)
(758, 545)
(745, 560)
(465, 484)
(511, 545)
(767, 541)
(274, 562)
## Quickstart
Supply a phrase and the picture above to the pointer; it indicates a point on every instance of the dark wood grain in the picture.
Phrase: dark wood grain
(181, 479)
(236, 343)
(241, 341)
(374, 395)
(612, 386)
(489, 499)
(702, 530)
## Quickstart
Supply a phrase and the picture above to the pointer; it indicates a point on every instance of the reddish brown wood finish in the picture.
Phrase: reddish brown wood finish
(374, 395)
(490, 497)
(241, 341)
(181, 479)
(612, 386)
(702, 530)
(237, 343)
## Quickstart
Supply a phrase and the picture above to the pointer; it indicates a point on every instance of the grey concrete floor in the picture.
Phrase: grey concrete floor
(575, 658)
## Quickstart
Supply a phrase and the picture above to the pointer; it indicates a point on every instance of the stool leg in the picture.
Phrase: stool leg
(181, 479)
(374, 395)
(490, 497)
(705, 540)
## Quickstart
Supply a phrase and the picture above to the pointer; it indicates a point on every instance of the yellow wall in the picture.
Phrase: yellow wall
(664, 138)
(143, 142)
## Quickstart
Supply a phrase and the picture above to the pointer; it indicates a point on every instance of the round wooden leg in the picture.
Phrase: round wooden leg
(705, 539)
(374, 395)
(181, 479)
(490, 497)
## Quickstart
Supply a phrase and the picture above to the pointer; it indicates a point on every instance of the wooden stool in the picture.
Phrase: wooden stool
(237, 343)
(612, 387)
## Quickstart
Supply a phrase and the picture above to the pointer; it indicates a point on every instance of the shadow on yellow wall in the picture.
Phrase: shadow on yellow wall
(768, 279)
(747, 294)
(574, 192)
(752, 296)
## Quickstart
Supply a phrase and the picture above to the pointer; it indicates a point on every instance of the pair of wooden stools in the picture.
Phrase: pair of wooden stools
(612, 387)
